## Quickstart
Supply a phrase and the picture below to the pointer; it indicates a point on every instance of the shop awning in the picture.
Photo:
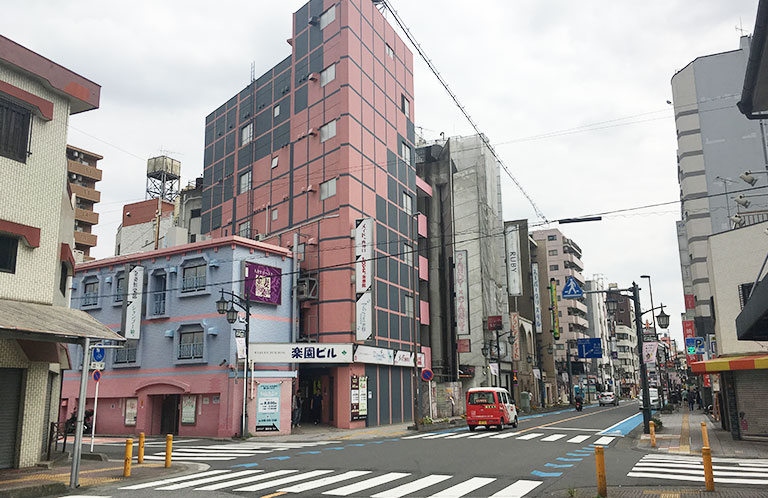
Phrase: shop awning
(40, 322)
(754, 362)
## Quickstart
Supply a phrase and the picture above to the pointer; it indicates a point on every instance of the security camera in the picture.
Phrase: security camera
(737, 220)
(742, 200)
(747, 177)
(127, 213)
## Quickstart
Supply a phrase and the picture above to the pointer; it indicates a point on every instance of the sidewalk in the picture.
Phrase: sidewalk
(38, 481)
(681, 434)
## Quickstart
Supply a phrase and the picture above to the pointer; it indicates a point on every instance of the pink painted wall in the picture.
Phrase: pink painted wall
(213, 420)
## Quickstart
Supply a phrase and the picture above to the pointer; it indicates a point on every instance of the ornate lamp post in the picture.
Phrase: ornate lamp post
(227, 307)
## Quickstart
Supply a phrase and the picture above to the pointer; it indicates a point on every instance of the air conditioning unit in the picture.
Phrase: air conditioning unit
(258, 237)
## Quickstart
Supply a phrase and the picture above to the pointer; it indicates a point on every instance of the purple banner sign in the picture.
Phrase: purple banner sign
(263, 283)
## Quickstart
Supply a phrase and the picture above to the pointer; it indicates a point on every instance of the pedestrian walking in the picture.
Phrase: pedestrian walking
(691, 400)
(296, 412)
(317, 407)
(699, 400)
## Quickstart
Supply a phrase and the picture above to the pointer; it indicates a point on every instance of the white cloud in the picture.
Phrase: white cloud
(522, 68)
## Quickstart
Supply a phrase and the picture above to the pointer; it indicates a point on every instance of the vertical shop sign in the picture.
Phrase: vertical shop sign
(268, 407)
(536, 298)
(462, 292)
(358, 398)
(514, 278)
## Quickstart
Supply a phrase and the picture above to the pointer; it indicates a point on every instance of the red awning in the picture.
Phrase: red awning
(755, 362)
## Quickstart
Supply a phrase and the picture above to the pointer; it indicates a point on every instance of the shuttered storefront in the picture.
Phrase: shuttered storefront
(751, 393)
(10, 393)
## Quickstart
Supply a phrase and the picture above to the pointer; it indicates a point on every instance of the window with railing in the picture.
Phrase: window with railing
(193, 278)
(158, 307)
(119, 289)
(190, 345)
(158, 294)
(125, 355)
(90, 294)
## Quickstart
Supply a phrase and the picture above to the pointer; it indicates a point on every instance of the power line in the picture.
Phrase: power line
(463, 110)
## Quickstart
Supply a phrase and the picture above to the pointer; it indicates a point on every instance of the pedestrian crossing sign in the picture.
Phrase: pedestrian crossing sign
(572, 290)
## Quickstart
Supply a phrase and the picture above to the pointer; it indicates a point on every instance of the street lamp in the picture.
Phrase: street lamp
(231, 313)
(749, 176)
(663, 318)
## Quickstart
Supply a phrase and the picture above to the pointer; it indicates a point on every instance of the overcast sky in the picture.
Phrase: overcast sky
(573, 93)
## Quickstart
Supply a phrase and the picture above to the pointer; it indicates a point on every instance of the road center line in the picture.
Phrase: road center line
(567, 419)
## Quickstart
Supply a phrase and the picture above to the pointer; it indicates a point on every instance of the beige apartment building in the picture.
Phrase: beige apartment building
(83, 173)
(37, 215)
(563, 260)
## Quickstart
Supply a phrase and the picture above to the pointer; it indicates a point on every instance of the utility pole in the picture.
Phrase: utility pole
(570, 371)
(643, 370)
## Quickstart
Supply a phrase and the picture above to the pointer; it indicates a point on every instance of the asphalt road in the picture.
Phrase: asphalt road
(545, 456)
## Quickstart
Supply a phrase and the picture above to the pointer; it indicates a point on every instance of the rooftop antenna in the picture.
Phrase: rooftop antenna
(740, 28)
(253, 71)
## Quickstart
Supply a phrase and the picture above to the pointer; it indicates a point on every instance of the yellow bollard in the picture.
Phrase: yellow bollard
(602, 486)
(141, 448)
(709, 477)
(128, 457)
(653, 435)
(168, 449)
(704, 435)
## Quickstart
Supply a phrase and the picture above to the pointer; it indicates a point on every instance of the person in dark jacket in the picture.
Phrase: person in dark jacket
(317, 407)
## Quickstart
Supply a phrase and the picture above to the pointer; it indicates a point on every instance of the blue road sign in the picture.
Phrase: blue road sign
(98, 354)
(571, 289)
(426, 375)
(590, 348)
(695, 345)
(97, 375)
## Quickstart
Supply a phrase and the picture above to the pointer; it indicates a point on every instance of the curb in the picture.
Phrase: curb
(35, 491)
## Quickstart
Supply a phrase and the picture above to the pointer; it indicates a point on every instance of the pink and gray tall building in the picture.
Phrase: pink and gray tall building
(323, 139)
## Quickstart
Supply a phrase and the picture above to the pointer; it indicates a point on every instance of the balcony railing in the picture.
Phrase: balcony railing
(90, 299)
(86, 216)
(193, 283)
(87, 193)
(84, 170)
(85, 238)
(159, 304)
(190, 351)
(125, 355)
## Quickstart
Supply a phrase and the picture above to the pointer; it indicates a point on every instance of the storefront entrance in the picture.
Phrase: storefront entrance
(169, 418)
(316, 391)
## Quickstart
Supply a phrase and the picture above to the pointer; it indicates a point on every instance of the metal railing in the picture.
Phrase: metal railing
(90, 299)
(193, 283)
(189, 351)
(159, 304)
(125, 355)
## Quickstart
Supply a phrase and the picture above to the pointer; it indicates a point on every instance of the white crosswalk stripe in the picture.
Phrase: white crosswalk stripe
(517, 489)
(225, 452)
(351, 483)
(578, 439)
(366, 484)
(531, 435)
(604, 441)
(464, 488)
(325, 481)
(520, 435)
(285, 480)
(412, 487)
(690, 468)
(246, 480)
(505, 435)
(553, 437)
